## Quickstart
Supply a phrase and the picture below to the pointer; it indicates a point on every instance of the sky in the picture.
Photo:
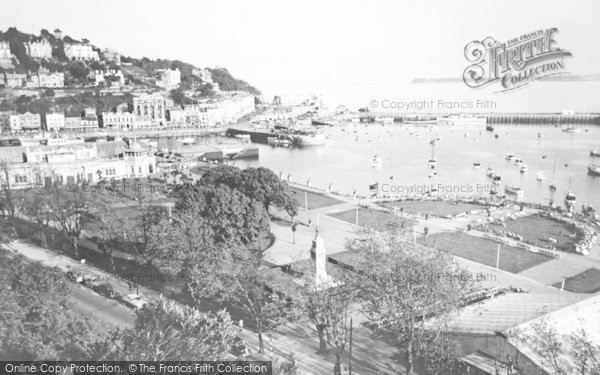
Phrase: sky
(355, 50)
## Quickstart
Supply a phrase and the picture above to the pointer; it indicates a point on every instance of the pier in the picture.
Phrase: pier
(492, 118)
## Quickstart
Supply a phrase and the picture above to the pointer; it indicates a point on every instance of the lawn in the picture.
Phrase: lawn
(538, 228)
(370, 218)
(586, 282)
(434, 208)
(315, 200)
(484, 251)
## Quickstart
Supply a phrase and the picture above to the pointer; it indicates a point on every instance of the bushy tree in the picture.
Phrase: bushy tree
(411, 292)
(167, 331)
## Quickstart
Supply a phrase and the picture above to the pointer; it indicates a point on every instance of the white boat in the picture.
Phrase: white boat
(571, 129)
(497, 179)
(518, 161)
(490, 173)
(510, 155)
(315, 139)
(540, 135)
(377, 161)
(595, 152)
(552, 186)
(188, 141)
(570, 200)
(476, 164)
(523, 169)
(540, 176)
(461, 120)
(514, 190)
(243, 137)
(594, 169)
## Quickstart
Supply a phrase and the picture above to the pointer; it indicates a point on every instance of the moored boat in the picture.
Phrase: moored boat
(595, 152)
(594, 169)
(514, 190)
(315, 139)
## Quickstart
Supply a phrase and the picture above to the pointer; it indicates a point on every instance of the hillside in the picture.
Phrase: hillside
(142, 72)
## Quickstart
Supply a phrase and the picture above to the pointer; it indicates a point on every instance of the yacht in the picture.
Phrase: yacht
(188, 141)
(514, 190)
(540, 176)
(314, 139)
(523, 169)
(489, 128)
(476, 164)
(540, 135)
(552, 186)
(510, 156)
(594, 169)
(518, 161)
(377, 161)
(497, 179)
(571, 129)
(595, 152)
(570, 200)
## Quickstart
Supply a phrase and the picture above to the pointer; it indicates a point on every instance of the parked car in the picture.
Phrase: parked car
(134, 301)
(106, 290)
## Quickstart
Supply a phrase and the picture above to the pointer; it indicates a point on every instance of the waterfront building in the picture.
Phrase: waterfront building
(176, 117)
(111, 56)
(151, 105)
(14, 80)
(73, 163)
(39, 49)
(73, 123)
(169, 79)
(25, 122)
(55, 121)
(119, 120)
(198, 115)
(80, 52)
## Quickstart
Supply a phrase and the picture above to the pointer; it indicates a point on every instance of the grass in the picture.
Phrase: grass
(586, 282)
(484, 251)
(538, 228)
(434, 208)
(315, 200)
(370, 218)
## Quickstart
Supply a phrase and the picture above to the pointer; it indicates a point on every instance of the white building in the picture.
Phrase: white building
(206, 76)
(169, 79)
(25, 122)
(49, 80)
(39, 50)
(75, 163)
(112, 77)
(123, 120)
(153, 106)
(55, 121)
(73, 123)
(111, 56)
(14, 80)
(5, 50)
(80, 52)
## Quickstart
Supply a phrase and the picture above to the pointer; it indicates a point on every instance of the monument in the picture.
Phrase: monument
(322, 279)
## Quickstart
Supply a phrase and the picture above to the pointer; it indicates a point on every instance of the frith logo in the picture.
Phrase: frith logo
(514, 63)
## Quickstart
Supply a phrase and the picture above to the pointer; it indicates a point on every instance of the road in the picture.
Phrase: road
(91, 304)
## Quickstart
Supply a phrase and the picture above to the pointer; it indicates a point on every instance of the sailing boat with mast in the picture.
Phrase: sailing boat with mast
(552, 186)
(432, 162)
(570, 198)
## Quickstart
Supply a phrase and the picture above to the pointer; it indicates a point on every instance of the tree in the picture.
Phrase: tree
(73, 208)
(563, 354)
(8, 205)
(237, 277)
(167, 331)
(260, 184)
(37, 321)
(411, 292)
(330, 309)
(225, 214)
